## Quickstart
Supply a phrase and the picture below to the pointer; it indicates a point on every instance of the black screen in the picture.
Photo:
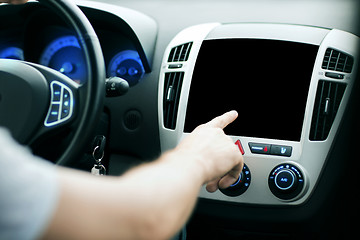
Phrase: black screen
(266, 81)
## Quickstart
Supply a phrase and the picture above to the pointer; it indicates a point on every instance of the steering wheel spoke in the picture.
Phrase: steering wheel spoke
(64, 97)
(36, 100)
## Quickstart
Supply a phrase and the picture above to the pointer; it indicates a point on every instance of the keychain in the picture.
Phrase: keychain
(99, 168)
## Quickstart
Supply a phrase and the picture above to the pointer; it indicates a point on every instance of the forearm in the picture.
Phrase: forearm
(168, 190)
(151, 201)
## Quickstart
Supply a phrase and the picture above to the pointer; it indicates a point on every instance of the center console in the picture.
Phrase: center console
(290, 85)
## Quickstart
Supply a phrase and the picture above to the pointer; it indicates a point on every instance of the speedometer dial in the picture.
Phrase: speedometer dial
(12, 53)
(127, 65)
(65, 55)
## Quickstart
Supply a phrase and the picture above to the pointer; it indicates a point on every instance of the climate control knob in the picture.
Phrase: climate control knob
(241, 185)
(286, 181)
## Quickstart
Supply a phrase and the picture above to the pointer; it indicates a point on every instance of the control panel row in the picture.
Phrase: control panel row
(285, 181)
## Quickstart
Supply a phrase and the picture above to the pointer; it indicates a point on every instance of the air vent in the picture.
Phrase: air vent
(337, 61)
(172, 89)
(327, 102)
(180, 53)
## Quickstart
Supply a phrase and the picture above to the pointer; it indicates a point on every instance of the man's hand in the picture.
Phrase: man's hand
(153, 200)
(220, 158)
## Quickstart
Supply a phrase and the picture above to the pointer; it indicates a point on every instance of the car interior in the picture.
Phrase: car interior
(123, 81)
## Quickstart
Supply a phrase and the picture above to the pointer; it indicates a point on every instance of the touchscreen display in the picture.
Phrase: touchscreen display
(266, 81)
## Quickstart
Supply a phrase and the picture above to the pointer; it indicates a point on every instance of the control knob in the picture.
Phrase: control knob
(241, 185)
(286, 181)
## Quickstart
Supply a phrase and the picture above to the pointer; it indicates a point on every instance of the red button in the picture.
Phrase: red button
(238, 143)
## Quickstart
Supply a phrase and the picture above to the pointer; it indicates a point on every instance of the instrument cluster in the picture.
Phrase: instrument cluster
(57, 47)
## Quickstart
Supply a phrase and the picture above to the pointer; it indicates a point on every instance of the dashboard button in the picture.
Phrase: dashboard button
(334, 75)
(281, 150)
(173, 66)
(260, 148)
(238, 143)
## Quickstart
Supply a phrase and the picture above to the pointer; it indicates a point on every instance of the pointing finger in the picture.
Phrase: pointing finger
(223, 120)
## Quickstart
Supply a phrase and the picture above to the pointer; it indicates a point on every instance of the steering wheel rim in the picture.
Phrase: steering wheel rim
(95, 84)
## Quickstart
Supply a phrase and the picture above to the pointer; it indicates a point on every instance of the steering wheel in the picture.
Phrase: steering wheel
(37, 102)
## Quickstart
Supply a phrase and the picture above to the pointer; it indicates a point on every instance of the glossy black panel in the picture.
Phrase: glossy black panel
(266, 81)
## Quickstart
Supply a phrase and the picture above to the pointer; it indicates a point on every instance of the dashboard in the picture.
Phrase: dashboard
(289, 69)
(40, 37)
(289, 83)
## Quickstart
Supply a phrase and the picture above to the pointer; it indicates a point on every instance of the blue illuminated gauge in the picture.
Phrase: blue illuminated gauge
(65, 55)
(12, 53)
(127, 65)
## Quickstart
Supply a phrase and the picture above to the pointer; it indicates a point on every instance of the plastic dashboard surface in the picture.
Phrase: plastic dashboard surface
(280, 169)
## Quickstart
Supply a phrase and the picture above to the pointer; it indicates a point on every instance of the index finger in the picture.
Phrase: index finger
(223, 120)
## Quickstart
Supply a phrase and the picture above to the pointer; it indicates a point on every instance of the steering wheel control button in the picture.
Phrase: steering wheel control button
(278, 150)
(281, 150)
(241, 185)
(286, 181)
(61, 105)
(54, 113)
(260, 148)
(238, 143)
(56, 93)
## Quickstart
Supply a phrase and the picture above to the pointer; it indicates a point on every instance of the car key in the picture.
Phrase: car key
(98, 168)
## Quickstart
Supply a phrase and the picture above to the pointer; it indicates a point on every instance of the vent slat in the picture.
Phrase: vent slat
(180, 53)
(337, 61)
(327, 102)
(172, 91)
(317, 108)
